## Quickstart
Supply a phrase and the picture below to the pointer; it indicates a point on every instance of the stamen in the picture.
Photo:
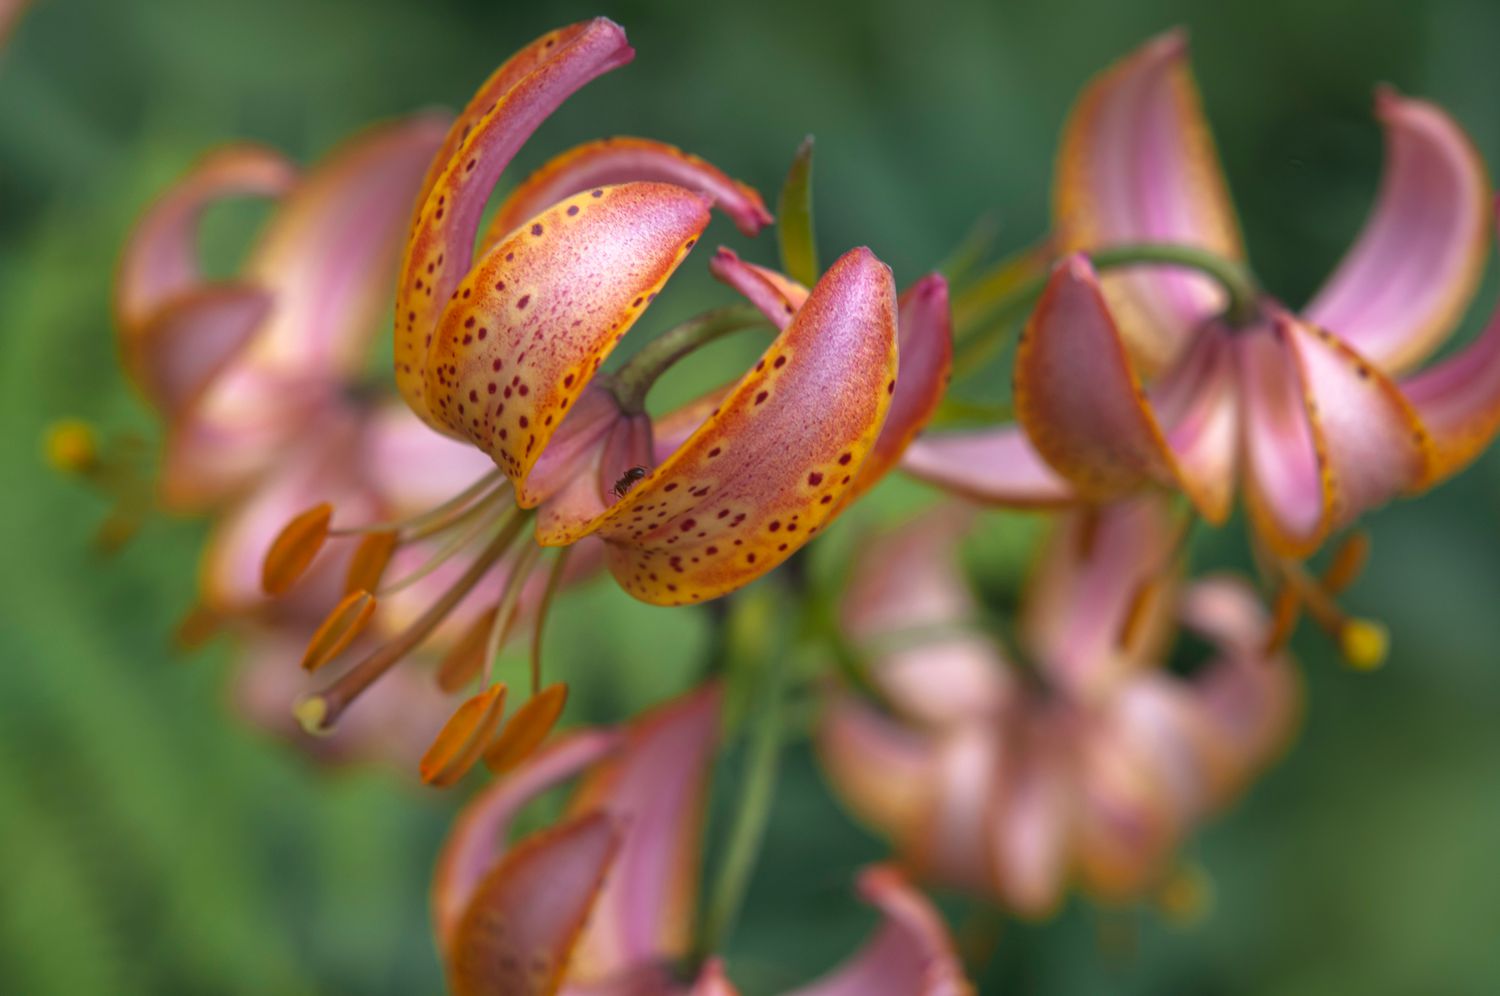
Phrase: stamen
(462, 739)
(197, 627)
(505, 612)
(425, 519)
(347, 620)
(539, 626)
(1186, 895)
(294, 548)
(526, 729)
(324, 708)
(72, 447)
(1344, 568)
(458, 541)
(369, 562)
(1364, 643)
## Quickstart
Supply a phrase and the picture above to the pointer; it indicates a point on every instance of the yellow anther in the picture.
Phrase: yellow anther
(1186, 896)
(71, 446)
(1364, 644)
(310, 713)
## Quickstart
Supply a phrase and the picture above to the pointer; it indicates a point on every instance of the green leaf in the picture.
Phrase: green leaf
(799, 249)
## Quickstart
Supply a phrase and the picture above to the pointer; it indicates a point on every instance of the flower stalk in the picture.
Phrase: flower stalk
(634, 380)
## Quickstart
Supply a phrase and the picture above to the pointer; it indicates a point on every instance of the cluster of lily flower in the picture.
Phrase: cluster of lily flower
(1149, 367)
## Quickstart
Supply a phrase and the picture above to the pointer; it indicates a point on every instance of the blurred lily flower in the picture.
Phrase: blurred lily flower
(1089, 763)
(501, 348)
(242, 368)
(1139, 377)
(603, 902)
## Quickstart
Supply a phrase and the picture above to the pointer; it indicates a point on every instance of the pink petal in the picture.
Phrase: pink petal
(478, 839)
(1137, 164)
(518, 932)
(623, 160)
(188, 342)
(996, 466)
(1404, 285)
(1094, 569)
(712, 981)
(656, 788)
(161, 255)
(881, 769)
(1458, 401)
(910, 954)
(329, 253)
(410, 467)
(1029, 825)
(777, 296)
(498, 121)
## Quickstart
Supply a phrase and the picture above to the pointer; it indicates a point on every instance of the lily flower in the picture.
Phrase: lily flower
(501, 348)
(240, 368)
(1140, 377)
(603, 902)
(1089, 763)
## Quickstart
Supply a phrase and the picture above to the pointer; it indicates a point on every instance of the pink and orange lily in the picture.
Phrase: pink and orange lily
(1137, 377)
(603, 902)
(1089, 766)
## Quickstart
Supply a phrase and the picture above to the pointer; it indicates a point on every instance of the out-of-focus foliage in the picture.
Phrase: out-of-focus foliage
(149, 843)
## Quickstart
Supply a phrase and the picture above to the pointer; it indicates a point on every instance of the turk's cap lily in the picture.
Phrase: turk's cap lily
(1091, 767)
(1135, 378)
(503, 348)
(603, 902)
(241, 366)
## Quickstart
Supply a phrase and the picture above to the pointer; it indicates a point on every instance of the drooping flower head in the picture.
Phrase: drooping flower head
(603, 902)
(1086, 761)
(1137, 377)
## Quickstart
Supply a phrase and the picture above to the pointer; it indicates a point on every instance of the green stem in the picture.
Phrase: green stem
(752, 809)
(1233, 276)
(632, 382)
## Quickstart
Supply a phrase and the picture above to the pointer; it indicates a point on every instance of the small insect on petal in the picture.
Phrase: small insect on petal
(464, 659)
(294, 548)
(369, 561)
(347, 620)
(526, 729)
(461, 740)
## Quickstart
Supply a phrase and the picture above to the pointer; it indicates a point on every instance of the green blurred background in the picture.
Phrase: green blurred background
(150, 843)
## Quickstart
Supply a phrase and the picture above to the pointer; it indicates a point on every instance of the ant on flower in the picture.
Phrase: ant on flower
(627, 481)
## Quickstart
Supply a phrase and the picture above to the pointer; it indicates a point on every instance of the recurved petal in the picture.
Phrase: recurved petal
(1137, 164)
(477, 841)
(330, 252)
(996, 466)
(1029, 829)
(776, 295)
(925, 325)
(518, 932)
(656, 788)
(534, 319)
(1458, 401)
(161, 255)
(910, 954)
(177, 352)
(498, 121)
(411, 467)
(765, 472)
(1081, 402)
(1375, 445)
(624, 160)
(1408, 278)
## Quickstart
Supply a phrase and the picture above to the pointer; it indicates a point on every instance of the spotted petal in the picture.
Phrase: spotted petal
(1138, 165)
(910, 954)
(534, 319)
(1405, 284)
(623, 160)
(517, 934)
(764, 473)
(498, 121)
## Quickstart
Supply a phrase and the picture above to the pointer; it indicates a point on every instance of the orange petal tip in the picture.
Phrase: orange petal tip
(294, 548)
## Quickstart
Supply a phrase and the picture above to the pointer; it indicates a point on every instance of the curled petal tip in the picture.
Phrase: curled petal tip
(930, 287)
(1076, 266)
(1170, 45)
